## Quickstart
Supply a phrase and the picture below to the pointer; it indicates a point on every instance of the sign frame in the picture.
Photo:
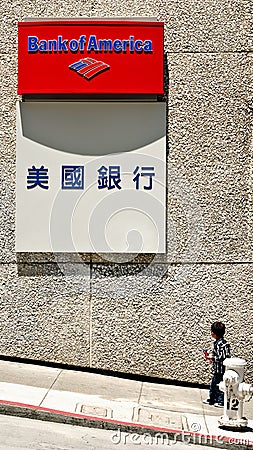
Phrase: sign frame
(125, 57)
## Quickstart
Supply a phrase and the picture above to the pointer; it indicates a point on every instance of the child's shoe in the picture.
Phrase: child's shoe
(208, 402)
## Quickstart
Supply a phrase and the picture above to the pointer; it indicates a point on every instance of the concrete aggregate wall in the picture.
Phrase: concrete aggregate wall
(148, 315)
(165, 318)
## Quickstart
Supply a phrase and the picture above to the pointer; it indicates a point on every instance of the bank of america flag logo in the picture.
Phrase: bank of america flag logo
(89, 68)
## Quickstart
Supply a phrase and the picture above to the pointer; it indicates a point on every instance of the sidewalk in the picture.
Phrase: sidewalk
(115, 403)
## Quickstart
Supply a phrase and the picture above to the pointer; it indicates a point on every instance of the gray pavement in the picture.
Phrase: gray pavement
(102, 401)
(23, 434)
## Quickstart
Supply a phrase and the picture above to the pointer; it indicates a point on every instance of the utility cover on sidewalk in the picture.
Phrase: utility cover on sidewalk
(90, 410)
(160, 417)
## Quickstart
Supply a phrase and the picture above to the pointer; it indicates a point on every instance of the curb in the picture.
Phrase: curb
(187, 437)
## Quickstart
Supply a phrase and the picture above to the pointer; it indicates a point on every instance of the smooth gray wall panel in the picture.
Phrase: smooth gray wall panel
(93, 128)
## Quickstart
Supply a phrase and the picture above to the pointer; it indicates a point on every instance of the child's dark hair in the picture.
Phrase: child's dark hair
(218, 328)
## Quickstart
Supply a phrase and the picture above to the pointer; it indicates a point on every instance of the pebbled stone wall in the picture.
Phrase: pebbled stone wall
(148, 315)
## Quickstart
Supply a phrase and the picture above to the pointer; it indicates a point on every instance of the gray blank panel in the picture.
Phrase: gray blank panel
(93, 128)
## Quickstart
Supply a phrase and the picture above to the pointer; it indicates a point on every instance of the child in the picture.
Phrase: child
(221, 351)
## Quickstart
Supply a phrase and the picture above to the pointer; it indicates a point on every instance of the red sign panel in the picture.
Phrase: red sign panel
(90, 57)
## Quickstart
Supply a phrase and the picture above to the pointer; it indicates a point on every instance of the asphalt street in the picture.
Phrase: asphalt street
(23, 434)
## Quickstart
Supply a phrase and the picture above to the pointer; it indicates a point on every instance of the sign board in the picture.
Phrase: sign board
(90, 57)
(95, 180)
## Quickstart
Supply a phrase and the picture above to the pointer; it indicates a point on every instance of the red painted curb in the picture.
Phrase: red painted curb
(83, 416)
(218, 439)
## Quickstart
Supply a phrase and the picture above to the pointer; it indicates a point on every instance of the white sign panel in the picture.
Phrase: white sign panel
(91, 177)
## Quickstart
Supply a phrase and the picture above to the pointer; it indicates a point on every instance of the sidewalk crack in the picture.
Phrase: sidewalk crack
(49, 389)
(140, 394)
(203, 410)
(138, 401)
